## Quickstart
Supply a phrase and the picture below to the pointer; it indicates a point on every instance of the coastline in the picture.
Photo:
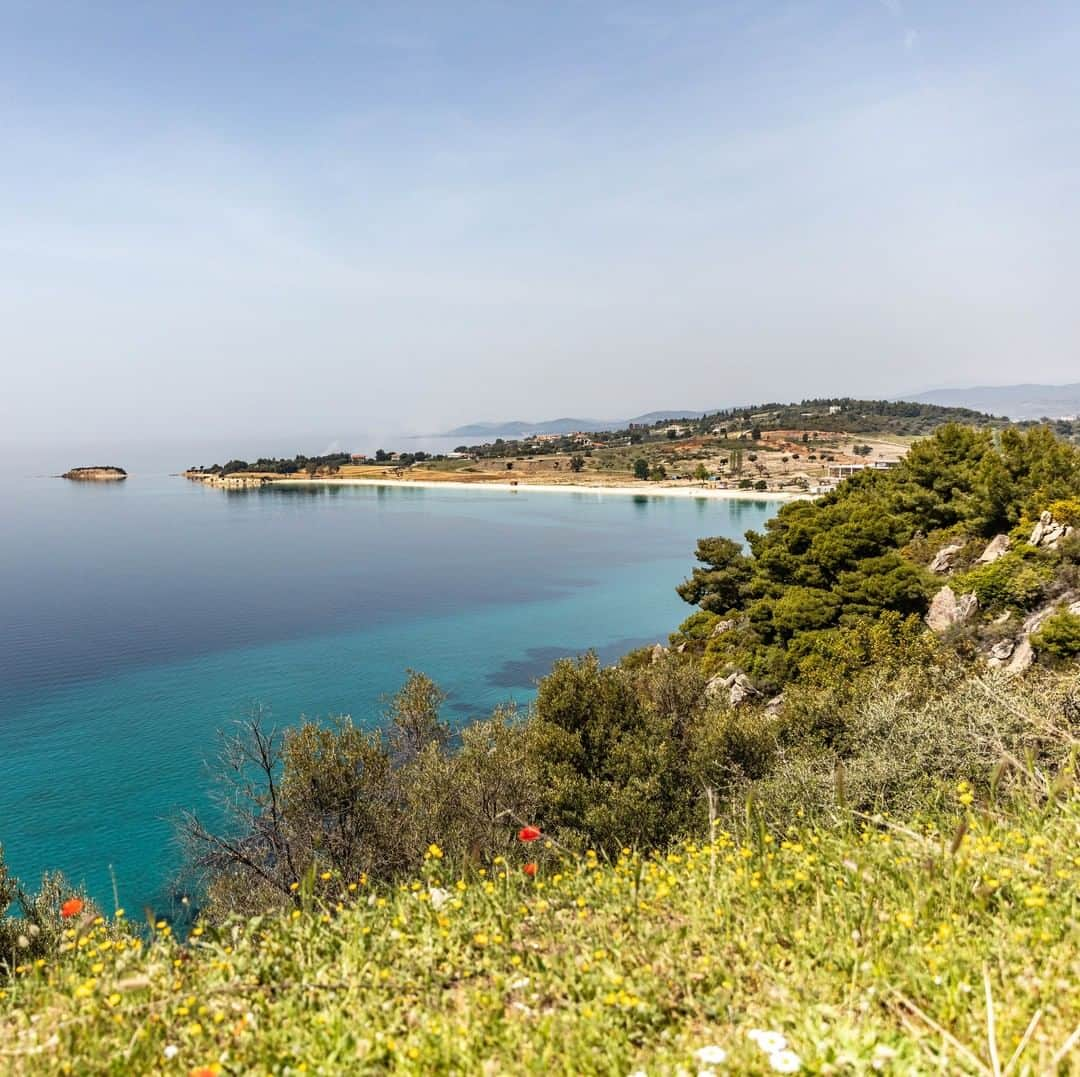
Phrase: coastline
(699, 492)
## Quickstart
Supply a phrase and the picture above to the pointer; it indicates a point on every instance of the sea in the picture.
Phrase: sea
(143, 621)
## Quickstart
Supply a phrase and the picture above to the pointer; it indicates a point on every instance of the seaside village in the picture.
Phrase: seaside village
(752, 453)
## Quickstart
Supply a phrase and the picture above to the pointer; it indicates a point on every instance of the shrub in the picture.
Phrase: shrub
(1059, 635)
(1017, 580)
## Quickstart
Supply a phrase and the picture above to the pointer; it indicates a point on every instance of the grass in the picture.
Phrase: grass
(948, 945)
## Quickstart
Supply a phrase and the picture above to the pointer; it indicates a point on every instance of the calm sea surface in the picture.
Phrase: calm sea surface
(137, 619)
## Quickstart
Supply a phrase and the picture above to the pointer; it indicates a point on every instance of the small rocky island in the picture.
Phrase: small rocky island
(95, 474)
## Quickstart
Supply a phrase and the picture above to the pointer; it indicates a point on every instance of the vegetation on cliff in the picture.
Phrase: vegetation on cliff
(865, 549)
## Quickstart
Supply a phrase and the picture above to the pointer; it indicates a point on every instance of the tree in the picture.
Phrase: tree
(657, 472)
(577, 463)
(701, 473)
(641, 468)
(721, 584)
(755, 433)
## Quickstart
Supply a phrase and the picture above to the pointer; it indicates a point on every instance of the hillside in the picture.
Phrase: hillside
(947, 943)
(1018, 402)
(519, 428)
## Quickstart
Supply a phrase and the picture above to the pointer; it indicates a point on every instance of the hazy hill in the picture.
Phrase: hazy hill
(1015, 401)
(518, 428)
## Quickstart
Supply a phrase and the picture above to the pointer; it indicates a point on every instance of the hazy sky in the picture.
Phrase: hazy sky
(306, 216)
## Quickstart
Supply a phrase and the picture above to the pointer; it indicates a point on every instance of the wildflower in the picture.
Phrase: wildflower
(171, 1051)
(71, 907)
(529, 833)
(439, 897)
(530, 868)
(711, 1055)
(434, 852)
(785, 1061)
(770, 1042)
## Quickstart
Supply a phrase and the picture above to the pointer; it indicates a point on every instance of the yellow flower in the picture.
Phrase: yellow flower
(435, 852)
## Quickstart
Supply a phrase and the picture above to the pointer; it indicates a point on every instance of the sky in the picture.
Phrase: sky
(327, 218)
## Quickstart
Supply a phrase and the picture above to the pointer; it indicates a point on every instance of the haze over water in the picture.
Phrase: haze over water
(138, 619)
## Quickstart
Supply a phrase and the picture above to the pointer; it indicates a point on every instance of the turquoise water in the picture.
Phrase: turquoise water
(139, 619)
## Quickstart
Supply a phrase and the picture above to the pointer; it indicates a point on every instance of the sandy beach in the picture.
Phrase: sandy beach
(645, 490)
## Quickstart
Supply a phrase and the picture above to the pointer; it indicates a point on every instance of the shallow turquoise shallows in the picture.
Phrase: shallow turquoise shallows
(139, 619)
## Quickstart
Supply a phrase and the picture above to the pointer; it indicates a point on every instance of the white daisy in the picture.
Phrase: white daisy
(785, 1061)
(711, 1055)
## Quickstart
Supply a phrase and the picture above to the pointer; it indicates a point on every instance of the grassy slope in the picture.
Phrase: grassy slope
(869, 949)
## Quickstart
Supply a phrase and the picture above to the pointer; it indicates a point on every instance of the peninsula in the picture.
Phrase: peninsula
(779, 450)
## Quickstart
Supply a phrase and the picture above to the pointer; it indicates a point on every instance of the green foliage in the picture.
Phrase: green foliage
(1059, 635)
(36, 931)
(855, 553)
(827, 932)
(721, 584)
(1015, 580)
(610, 751)
(641, 468)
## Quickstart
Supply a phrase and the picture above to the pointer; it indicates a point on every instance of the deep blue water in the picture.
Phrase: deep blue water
(138, 619)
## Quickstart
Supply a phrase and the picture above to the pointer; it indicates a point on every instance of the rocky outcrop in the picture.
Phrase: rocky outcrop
(95, 474)
(775, 705)
(997, 547)
(658, 652)
(721, 627)
(236, 481)
(943, 559)
(737, 686)
(1016, 655)
(947, 610)
(1048, 532)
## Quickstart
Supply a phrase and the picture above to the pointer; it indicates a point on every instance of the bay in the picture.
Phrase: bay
(138, 619)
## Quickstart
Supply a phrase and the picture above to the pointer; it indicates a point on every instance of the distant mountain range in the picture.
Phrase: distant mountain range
(1015, 401)
(519, 428)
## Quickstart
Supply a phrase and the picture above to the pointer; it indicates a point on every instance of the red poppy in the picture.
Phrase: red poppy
(71, 907)
(202, 1071)
(528, 833)
(529, 869)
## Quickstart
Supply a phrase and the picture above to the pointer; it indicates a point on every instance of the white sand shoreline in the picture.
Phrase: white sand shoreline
(700, 492)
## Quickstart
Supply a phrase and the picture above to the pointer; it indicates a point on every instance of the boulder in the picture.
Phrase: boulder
(1022, 657)
(658, 652)
(721, 627)
(1048, 532)
(946, 609)
(997, 546)
(741, 690)
(943, 559)
(775, 704)
(737, 685)
(1000, 653)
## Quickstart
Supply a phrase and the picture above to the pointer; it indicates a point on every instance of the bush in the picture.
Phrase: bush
(1059, 635)
(1016, 580)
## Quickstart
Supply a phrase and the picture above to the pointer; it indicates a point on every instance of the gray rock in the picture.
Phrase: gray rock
(775, 704)
(997, 546)
(1022, 657)
(943, 559)
(741, 690)
(721, 627)
(658, 652)
(1045, 520)
(947, 610)
(1048, 532)
(736, 686)
(1001, 652)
